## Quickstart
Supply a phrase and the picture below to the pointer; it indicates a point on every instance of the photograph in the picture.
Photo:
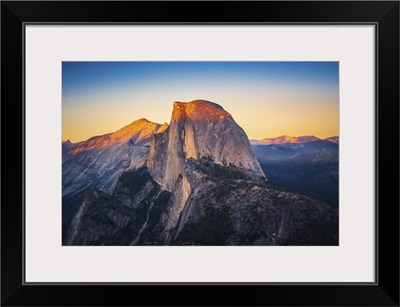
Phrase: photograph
(246, 146)
(200, 153)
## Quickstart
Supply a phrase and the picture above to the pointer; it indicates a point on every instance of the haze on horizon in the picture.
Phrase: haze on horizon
(267, 99)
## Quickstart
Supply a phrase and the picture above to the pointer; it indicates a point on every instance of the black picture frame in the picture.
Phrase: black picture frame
(383, 14)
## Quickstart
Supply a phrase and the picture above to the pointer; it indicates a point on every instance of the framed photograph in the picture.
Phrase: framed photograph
(239, 146)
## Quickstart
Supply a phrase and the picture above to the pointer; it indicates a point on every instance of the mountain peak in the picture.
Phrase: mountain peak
(141, 120)
(200, 129)
(142, 125)
(198, 110)
(137, 131)
(198, 102)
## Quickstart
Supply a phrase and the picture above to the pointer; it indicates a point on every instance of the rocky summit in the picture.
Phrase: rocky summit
(195, 181)
(99, 161)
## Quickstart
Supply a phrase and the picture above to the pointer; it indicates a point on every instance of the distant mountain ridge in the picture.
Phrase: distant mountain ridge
(285, 139)
(310, 168)
(333, 139)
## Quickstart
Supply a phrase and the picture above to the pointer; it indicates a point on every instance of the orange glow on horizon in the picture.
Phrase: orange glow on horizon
(261, 121)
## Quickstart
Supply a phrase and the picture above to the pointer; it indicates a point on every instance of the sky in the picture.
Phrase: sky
(267, 99)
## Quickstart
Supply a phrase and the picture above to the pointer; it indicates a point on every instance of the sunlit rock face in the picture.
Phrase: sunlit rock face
(200, 129)
(100, 160)
(140, 131)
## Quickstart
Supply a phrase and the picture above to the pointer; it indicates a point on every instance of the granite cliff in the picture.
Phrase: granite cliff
(195, 181)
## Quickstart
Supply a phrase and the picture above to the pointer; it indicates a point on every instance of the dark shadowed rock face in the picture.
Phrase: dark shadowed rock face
(220, 210)
(310, 168)
(239, 212)
(103, 219)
